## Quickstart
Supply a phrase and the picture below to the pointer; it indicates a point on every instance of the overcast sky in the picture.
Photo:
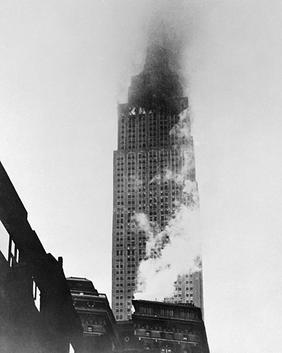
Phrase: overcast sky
(64, 66)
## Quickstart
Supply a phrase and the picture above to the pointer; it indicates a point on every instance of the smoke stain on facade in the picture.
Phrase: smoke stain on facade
(154, 175)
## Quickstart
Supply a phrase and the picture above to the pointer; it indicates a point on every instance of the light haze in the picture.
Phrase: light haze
(65, 65)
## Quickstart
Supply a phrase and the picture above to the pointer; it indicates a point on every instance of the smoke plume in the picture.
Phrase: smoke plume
(170, 252)
(172, 249)
(175, 249)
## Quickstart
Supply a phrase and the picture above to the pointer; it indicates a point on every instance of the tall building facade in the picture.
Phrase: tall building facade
(188, 288)
(153, 168)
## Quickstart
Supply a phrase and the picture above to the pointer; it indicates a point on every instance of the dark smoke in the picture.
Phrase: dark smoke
(157, 85)
(160, 84)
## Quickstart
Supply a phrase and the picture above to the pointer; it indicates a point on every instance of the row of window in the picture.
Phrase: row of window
(129, 278)
(154, 157)
(121, 297)
(132, 144)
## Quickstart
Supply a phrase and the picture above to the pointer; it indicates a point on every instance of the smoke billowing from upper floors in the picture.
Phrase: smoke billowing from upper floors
(156, 233)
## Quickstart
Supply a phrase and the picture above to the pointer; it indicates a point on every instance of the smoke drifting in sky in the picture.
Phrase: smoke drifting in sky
(169, 24)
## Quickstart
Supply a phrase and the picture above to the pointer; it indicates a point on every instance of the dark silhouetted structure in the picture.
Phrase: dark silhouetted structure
(36, 311)
(99, 325)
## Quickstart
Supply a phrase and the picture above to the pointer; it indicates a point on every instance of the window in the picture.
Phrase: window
(36, 295)
(4, 241)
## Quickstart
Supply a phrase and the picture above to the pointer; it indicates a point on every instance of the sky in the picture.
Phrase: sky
(64, 67)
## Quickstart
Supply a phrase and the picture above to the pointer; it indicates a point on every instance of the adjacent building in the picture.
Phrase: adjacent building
(97, 319)
(152, 165)
(160, 327)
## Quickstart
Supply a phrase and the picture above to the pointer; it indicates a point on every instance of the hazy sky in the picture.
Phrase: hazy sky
(66, 64)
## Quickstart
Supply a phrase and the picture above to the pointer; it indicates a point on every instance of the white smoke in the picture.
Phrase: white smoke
(183, 140)
(181, 132)
(142, 222)
(157, 274)
(155, 239)
(175, 249)
(136, 181)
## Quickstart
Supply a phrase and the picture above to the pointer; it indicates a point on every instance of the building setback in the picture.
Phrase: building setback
(150, 171)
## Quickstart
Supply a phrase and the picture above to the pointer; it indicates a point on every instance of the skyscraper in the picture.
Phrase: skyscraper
(154, 171)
